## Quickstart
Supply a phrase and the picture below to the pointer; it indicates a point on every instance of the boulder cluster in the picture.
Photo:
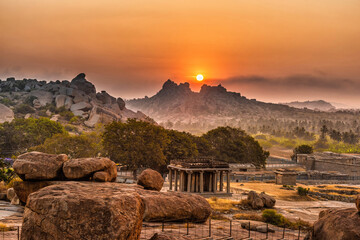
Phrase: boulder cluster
(79, 96)
(77, 199)
(262, 200)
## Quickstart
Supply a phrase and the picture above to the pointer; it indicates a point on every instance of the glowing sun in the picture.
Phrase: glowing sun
(199, 77)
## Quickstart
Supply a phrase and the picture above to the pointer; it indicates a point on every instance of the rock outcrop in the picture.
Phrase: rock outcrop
(357, 202)
(79, 96)
(39, 166)
(25, 188)
(258, 201)
(6, 114)
(337, 224)
(98, 169)
(172, 206)
(151, 180)
(75, 210)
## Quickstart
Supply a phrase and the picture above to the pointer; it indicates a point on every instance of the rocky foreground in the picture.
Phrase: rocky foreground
(59, 206)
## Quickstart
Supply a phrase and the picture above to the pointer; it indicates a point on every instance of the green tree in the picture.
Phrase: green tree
(180, 145)
(302, 149)
(76, 146)
(21, 134)
(136, 144)
(234, 145)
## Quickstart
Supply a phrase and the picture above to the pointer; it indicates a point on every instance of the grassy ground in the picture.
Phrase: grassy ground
(276, 191)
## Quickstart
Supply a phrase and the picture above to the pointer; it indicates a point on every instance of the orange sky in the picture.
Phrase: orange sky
(129, 48)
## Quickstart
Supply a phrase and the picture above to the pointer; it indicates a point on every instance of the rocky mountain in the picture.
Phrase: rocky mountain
(32, 97)
(319, 105)
(177, 106)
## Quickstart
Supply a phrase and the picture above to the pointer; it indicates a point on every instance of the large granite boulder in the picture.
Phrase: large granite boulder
(173, 206)
(337, 224)
(75, 210)
(63, 101)
(6, 114)
(258, 201)
(151, 180)
(25, 188)
(98, 169)
(43, 97)
(39, 166)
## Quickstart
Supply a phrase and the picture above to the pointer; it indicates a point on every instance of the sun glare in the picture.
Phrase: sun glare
(199, 77)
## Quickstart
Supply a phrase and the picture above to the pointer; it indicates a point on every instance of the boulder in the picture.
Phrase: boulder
(258, 201)
(173, 206)
(63, 101)
(39, 166)
(15, 200)
(82, 84)
(121, 103)
(151, 180)
(85, 168)
(105, 98)
(268, 201)
(357, 202)
(83, 106)
(25, 188)
(76, 210)
(337, 224)
(93, 118)
(43, 97)
(256, 226)
(6, 114)
(10, 194)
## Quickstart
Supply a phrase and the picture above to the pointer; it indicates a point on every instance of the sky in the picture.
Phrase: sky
(271, 50)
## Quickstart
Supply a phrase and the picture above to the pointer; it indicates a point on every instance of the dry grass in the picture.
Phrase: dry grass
(273, 190)
(248, 216)
(4, 227)
(224, 205)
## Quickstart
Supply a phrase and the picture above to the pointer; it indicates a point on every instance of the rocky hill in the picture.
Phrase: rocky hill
(177, 106)
(320, 105)
(62, 99)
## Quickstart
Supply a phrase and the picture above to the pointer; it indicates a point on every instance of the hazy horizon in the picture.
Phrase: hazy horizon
(274, 51)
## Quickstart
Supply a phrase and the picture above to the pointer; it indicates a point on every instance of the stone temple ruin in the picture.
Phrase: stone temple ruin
(203, 176)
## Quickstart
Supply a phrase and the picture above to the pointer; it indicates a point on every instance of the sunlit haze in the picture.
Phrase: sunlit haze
(271, 50)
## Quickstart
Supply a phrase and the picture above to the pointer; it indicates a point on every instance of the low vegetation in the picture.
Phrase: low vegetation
(272, 217)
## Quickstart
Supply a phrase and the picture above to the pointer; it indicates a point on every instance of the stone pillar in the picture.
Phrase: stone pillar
(182, 181)
(211, 182)
(170, 179)
(189, 182)
(201, 182)
(227, 182)
(193, 183)
(196, 182)
(221, 181)
(176, 179)
(215, 182)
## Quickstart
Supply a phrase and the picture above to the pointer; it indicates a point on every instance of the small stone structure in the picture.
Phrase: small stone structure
(285, 177)
(199, 175)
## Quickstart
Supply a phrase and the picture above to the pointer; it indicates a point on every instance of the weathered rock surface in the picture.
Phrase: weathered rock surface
(337, 224)
(6, 114)
(85, 168)
(258, 201)
(25, 188)
(63, 101)
(43, 97)
(172, 206)
(39, 166)
(10, 194)
(256, 226)
(82, 84)
(151, 180)
(75, 210)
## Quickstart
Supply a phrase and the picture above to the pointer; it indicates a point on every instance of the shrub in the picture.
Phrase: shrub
(303, 191)
(7, 102)
(68, 115)
(274, 218)
(24, 109)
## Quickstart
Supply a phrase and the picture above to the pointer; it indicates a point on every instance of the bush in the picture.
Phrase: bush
(24, 109)
(67, 115)
(274, 218)
(7, 102)
(303, 191)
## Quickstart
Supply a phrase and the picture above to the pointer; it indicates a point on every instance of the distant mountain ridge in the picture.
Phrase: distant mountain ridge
(319, 105)
(176, 105)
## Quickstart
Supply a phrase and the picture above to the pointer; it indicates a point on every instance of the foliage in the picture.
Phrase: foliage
(302, 149)
(24, 109)
(136, 144)
(7, 102)
(76, 146)
(21, 134)
(234, 145)
(303, 191)
(272, 217)
(180, 145)
(6, 171)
